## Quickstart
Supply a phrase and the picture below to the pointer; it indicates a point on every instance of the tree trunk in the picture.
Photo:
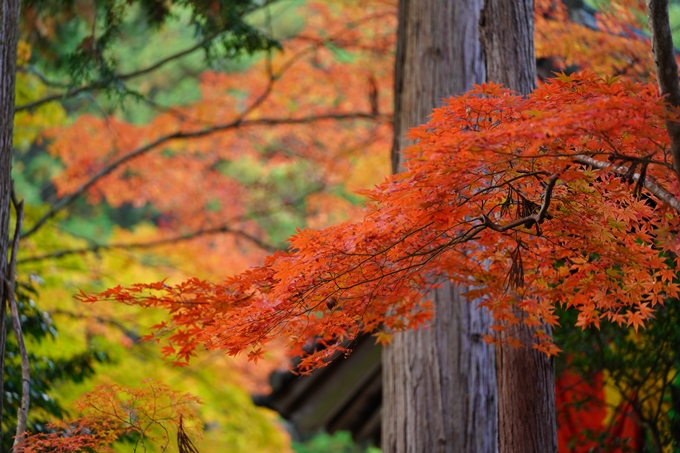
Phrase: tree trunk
(9, 28)
(527, 418)
(507, 35)
(439, 384)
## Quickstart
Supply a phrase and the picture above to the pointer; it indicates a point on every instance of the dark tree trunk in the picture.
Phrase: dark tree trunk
(507, 34)
(9, 27)
(527, 419)
(439, 385)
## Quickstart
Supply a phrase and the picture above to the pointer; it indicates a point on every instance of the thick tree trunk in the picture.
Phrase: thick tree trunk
(527, 416)
(9, 27)
(439, 384)
(507, 34)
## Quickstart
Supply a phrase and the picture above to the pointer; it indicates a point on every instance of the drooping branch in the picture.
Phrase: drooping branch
(184, 444)
(150, 244)
(666, 69)
(372, 273)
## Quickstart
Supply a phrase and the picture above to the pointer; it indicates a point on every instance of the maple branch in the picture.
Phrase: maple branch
(528, 221)
(666, 69)
(238, 123)
(157, 243)
(30, 69)
(22, 413)
(649, 183)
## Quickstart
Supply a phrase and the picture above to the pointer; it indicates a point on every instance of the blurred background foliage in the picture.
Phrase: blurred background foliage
(75, 61)
(340, 442)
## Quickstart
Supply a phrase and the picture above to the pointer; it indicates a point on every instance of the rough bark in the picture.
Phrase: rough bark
(666, 68)
(507, 34)
(9, 27)
(527, 419)
(439, 384)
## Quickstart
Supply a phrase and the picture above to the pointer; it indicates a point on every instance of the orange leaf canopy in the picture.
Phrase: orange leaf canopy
(562, 197)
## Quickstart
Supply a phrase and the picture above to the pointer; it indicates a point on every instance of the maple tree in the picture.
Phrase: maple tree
(613, 388)
(564, 197)
(109, 412)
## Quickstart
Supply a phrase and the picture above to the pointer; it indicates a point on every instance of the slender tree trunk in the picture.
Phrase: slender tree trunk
(439, 384)
(527, 416)
(9, 28)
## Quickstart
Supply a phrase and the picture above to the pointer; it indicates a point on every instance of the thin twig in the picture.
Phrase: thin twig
(9, 280)
(157, 243)
(22, 414)
(3, 312)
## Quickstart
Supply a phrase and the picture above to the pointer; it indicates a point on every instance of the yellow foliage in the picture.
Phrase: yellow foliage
(232, 422)
(28, 125)
(23, 53)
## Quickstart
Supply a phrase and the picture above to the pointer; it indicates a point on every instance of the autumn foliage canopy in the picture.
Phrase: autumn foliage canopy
(564, 197)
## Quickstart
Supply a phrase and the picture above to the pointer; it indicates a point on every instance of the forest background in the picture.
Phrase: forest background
(285, 137)
(198, 167)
